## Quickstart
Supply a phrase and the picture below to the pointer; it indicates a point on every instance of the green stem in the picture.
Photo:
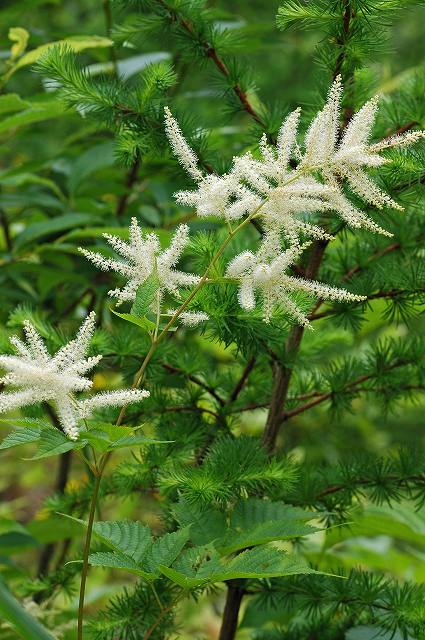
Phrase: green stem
(137, 382)
(93, 505)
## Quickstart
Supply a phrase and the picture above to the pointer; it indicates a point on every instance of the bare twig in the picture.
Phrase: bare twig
(196, 381)
(239, 386)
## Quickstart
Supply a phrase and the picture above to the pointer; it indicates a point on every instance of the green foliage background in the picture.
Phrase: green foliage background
(67, 175)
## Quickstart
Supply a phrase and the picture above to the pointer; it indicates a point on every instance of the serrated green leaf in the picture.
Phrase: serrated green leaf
(136, 440)
(145, 295)
(127, 537)
(261, 534)
(110, 436)
(26, 422)
(113, 560)
(206, 525)
(179, 578)
(143, 323)
(185, 568)
(261, 562)
(166, 549)
(256, 511)
(53, 443)
(21, 436)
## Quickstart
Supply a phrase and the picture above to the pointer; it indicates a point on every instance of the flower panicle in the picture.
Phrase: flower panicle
(142, 257)
(181, 149)
(36, 376)
(270, 279)
(320, 172)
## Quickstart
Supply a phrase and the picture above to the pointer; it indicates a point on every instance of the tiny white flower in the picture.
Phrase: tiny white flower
(143, 257)
(38, 376)
(190, 318)
(275, 285)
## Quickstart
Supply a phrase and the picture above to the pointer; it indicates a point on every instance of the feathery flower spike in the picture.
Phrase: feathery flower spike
(143, 257)
(275, 286)
(190, 318)
(39, 377)
(285, 197)
(183, 152)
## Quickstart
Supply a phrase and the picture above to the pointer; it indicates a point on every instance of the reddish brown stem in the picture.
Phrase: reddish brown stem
(196, 381)
(282, 373)
(238, 388)
(235, 593)
(212, 53)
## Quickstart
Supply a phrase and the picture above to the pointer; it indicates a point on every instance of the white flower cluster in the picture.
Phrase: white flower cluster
(279, 192)
(284, 198)
(255, 272)
(143, 257)
(189, 318)
(40, 377)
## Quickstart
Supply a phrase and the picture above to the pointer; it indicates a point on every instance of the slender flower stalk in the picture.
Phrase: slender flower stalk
(138, 380)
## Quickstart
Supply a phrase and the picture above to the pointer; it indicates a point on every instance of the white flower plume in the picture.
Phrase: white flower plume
(184, 153)
(287, 197)
(37, 377)
(269, 277)
(143, 257)
(189, 318)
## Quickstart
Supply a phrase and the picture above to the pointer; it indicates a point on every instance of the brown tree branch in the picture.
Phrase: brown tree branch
(377, 254)
(282, 373)
(402, 129)
(64, 467)
(188, 409)
(229, 624)
(365, 481)
(351, 386)
(239, 386)
(212, 54)
(196, 381)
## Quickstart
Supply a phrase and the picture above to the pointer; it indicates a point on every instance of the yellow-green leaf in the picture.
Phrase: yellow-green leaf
(19, 36)
(76, 43)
